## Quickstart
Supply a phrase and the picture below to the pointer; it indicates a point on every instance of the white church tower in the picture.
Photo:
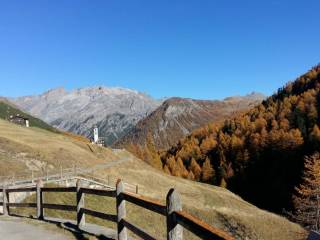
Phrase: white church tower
(95, 134)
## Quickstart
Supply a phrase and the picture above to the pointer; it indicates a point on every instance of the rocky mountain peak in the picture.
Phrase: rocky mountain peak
(115, 110)
(177, 117)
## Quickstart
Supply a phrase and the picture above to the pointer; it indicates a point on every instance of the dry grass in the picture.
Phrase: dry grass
(76, 137)
(26, 148)
(217, 206)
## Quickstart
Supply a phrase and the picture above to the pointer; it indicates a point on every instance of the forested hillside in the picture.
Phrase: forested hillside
(24, 151)
(177, 118)
(260, 154)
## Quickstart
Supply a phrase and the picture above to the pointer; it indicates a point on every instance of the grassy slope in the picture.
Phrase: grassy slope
(7, 109)
(23, 149)
(215, 205)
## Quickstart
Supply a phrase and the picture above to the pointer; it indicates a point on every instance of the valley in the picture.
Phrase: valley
(176, 120)
(217, 206)
(255, 149)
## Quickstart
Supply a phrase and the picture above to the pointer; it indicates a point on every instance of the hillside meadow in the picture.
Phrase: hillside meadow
(217, 206)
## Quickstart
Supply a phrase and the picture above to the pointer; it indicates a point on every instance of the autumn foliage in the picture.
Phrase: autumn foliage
(259, 154)
(307, 197)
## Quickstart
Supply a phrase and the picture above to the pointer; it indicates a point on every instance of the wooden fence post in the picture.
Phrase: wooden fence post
(121, 211)
(5, 201)
(80, 205)
(39, 200)
(174, 230)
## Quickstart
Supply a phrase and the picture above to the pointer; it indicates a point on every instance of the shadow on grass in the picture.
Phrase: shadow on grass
(70, 226)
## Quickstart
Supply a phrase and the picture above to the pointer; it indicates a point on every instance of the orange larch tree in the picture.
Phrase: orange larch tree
(307, 197)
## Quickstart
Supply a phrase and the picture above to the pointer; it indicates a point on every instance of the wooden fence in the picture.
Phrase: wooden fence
(65, 176)
(176, 218)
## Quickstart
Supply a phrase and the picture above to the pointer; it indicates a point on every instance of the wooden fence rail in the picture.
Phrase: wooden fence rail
(60, 174)
(176, 218)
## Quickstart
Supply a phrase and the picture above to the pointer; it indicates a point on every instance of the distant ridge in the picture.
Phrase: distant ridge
(178, 117)
(114, 110)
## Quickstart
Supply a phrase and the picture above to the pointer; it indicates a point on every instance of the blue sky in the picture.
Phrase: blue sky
(188, 48)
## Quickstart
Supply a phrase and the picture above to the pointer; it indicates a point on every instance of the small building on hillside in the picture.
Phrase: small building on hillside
(96, 139)
(21, 120)
(95, 134)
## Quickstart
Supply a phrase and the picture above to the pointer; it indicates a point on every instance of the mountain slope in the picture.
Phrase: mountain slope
(259, 154)
(7, 109)
(25, 149)
(177, 117)
(29, 149)
(114, 110)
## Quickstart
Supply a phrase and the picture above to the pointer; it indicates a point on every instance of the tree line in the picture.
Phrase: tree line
(260, 154)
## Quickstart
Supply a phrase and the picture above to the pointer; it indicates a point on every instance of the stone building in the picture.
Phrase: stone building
(18, 119)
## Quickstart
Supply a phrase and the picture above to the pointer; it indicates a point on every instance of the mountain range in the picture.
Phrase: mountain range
(178, 117)
(117, 111)
(114, 110)
(256, 147)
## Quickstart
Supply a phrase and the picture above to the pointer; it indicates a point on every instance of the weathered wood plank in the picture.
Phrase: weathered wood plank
(39, 197)
(59, 189)
(30, 189)
(144, 202)
(24, 205)
(69, 208)
(174, 230)
(121, 211)
(5, 200)
(105, 216)
(200, 228)
(80, 205)
(99, 192)
(137, 231)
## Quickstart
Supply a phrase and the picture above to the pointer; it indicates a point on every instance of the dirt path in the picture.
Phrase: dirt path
(20, 229)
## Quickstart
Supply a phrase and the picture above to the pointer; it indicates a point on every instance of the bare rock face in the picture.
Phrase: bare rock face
(178, 117)
(114, 110)
(124, 115)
